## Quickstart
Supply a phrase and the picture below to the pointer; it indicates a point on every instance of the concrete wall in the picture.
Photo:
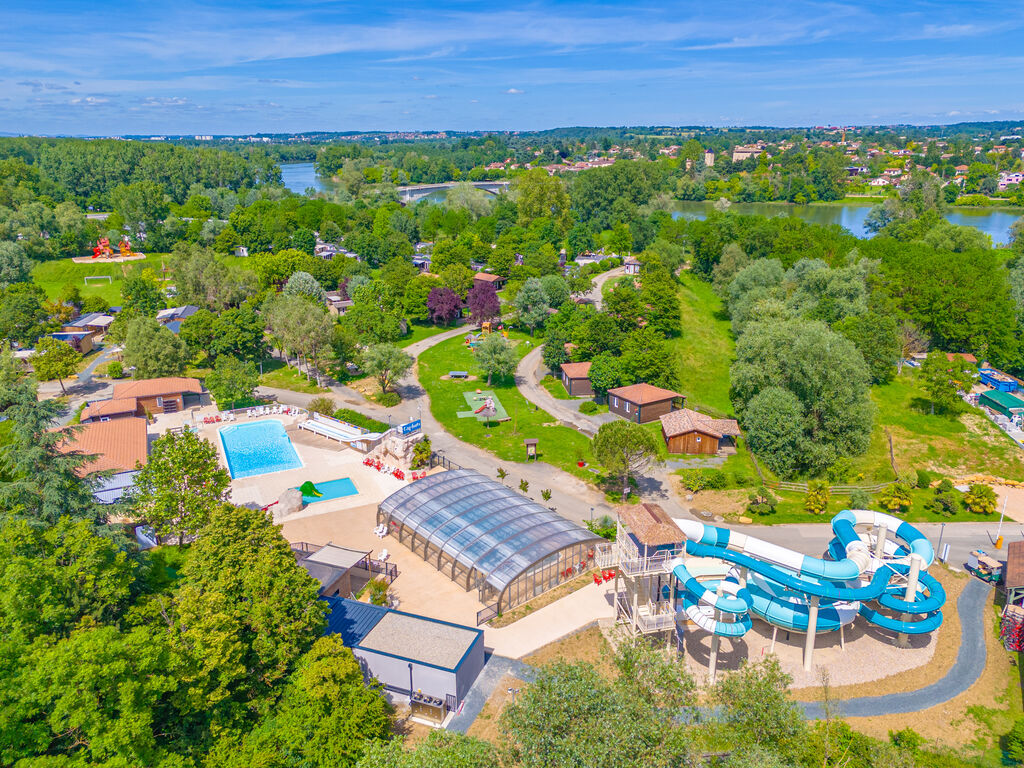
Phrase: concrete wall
(394, 673)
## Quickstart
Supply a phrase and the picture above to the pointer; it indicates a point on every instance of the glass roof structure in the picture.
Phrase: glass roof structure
(482, 525)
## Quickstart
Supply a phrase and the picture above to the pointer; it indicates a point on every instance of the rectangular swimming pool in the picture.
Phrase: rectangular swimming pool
(332, 489)
(258, 448)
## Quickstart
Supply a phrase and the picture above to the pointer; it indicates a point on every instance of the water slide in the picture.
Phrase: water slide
(338, 431)
(786, 588)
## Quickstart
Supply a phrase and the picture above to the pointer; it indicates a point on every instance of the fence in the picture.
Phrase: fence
(782, 485)
(386, 571)
(486, 614)
(437, 460)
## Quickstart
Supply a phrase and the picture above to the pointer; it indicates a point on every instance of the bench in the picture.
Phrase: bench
(458, 374)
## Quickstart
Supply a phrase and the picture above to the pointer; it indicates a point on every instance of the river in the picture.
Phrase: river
(298, 177)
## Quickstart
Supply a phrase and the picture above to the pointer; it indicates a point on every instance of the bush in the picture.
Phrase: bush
(945, 499)
(910, 740)
(839, 472)
(357, 419)
(924, 478)
(762, 502)
(860, 499)
(589, 408)
(389, 399)
(603, 526)
(325, 406)
(115, 369)
(817, 497)
(1015, 741)
(980, 500)
(421, 454)
(698, 480)
(895, 498)
(378, 592)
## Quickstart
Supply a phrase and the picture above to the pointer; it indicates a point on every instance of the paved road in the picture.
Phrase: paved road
(595, 294)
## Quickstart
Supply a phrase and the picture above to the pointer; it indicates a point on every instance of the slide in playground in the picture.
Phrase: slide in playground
(787, 589)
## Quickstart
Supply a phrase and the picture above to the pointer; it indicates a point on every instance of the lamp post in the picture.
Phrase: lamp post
(591, 514)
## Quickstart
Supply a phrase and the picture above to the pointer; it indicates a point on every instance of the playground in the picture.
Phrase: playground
(103, 252)
(484, 405)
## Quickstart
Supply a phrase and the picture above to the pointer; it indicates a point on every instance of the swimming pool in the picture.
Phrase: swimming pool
(332, 489)
(258, 448)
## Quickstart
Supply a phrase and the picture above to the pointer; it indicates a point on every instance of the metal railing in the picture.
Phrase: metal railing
(631, 563)
(487, 613)
(387, 571)
(437, 460)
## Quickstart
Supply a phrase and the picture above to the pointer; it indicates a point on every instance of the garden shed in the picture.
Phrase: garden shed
(1001, 402)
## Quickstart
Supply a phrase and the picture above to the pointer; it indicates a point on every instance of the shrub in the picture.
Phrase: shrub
(698, 480)
(524, 486)
(502, 474)
(421, 454)
(762, 502)
(980, 500)
(115, 369)
(839, 472)
(860, 499)
(546, 494)
(389, 399)
(357, 419)
(378, 592)
(603, 526)
(945, 499)
(589, 408)
(910, 740)
(907, 479)
(817, 497)
(924, 479)
(1015, 741)
(894, 498)
(325, 406)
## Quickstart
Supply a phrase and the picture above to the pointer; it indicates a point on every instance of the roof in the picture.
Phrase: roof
(339, 557)
(119, 444)
(651, 525)
(95, 319)
(642, 394)
(576, 370)
(176, 313)
(352, 620)
(1014, 571)
(482, 525)
(487, 277)
(432, 642)
(1004, 399)
(168, 385)
(685, 420)
(109, 408)
(965, 356)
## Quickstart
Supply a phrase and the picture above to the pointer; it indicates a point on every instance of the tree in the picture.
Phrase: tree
(15, 265)
(539, 195)
(21, 313)
(55, 359)
(625, 449)
(458, 278)
(556, 289)
(444, 305)
(894, 498)
(386, 363)
(980, 499)
(141, 294)
(176, 490)
(877, 339)
(647, 357)
(605, 373)
(153, 350)
(532, 304)
(816, 500)
(414, 300)
(911, 341)
(754, 701)
(240, 333)
(554, 353)
(304, 284)
(773, 425)
(232, 380)
(442, 749)
(483, 303)
(496, 356)
(141, 205)
(943, 379)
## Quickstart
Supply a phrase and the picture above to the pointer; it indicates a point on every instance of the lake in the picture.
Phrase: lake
(298, 177)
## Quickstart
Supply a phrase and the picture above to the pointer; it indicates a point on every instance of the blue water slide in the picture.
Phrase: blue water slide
(701, 601)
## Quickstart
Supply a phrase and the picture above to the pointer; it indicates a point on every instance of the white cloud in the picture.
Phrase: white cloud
(514, 91)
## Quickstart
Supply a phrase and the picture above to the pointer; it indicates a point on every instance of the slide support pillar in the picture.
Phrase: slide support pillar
(812, 630)
(913, 578)
(715, 642)
(881, 534)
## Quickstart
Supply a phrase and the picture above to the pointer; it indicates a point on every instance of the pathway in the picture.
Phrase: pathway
(493, 673)
(595, 294)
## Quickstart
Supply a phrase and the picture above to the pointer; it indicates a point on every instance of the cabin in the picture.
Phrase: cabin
(632, 266)
(119, 447)
(175, 315)
(643, 403)
(485, 278)
(81, 341)
(144, 396)
(687, 431)
(96, 323)
(576, 379)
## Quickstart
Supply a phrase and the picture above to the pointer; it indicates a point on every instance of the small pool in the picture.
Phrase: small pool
(258, 448)
(332, 489)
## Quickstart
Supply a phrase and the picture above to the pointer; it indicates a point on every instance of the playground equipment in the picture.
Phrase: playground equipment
(796, 592)
(487, 406)
(102, 249)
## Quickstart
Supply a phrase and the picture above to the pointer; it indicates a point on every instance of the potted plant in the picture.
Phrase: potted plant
(579, 458)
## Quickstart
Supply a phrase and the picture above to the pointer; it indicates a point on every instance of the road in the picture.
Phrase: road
(595, 294)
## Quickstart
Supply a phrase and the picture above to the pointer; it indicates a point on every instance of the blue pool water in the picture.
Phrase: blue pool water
(258, 448)
(332, 489)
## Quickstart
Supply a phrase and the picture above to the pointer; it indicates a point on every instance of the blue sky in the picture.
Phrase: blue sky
(115, 67)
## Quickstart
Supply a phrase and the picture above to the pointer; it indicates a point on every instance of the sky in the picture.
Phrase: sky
(220, 67)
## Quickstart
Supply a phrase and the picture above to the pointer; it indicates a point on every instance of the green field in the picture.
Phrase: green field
(554, 387)
(51, 276)
(418, 332)
(558, 445)
(705, 348)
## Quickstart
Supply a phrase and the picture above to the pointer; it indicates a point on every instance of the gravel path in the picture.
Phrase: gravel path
(495, 669)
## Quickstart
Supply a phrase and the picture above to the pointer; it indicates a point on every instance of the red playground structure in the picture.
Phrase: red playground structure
(102, 249)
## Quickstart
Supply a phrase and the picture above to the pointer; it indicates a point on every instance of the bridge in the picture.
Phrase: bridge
(414, 192)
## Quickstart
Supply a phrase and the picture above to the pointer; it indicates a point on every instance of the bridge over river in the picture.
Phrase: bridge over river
(414, 192)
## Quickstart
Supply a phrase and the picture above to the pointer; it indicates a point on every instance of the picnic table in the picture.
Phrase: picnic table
(458, 374)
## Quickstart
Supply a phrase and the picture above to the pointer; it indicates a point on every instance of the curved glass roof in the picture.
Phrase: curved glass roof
(481, 524)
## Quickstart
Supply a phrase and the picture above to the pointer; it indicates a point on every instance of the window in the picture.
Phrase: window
(104, 418)
(626, 402)
(159, 402)
(615, 402)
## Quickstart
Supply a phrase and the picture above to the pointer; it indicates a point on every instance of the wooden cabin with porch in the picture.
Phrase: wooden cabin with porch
(643, 402)
(688, 431)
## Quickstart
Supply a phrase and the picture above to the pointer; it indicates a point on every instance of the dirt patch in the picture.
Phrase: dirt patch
(728, 504)
(521, 611)
(588, 645)
(412, 733)
(947, 645)
(950, 723)
(471, 377)
(487, 724)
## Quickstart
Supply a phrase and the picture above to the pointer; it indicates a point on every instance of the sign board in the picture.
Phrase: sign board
(409, 427)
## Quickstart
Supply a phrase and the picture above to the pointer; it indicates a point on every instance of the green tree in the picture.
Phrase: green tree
(531, 304)
(141, 205)
(877, 339)
(556, 289)
(442, 749)
(141, 294)
(894, 498)
(1015, 741)
(816, 499)
(180, 484)
(605, 373)
(539, 195)
(495, 355)
(648, 357)
(554, 353)
(754, 702)
(980, 499)
(22, 316)
(773, 423)
(943, 379)
(15, 265)
(232, 380)
(414, 299)
(625, 449)
(55, 359)
(305, 285)
(386, 363)
(457, 277)
(153, 350)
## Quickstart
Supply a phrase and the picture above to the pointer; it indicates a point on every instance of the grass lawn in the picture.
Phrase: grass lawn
(280, 376)
(705, 348)
(51, 276)
(558, 445)
(951, 445)
(555, 388)
(419, 332)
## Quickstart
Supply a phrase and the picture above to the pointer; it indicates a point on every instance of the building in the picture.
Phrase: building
(709, 158)
(96, 323)
(145, 396)
(172, 317)
(643, 402)
(485, 278)
(1013, 573)
(119, 447)
(576, 379)
(81, 341)
(342, 572)
(1001, 402)
(484, 535)
(432, 662)
(687, 431)
(632, 266)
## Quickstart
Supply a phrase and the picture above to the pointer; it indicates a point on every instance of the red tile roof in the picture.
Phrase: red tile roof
(576, 370)
(641, 394)
(109, 408)
(119, 444)
(168, 385)
(487, 277)
(965, 356)
(685, 420)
